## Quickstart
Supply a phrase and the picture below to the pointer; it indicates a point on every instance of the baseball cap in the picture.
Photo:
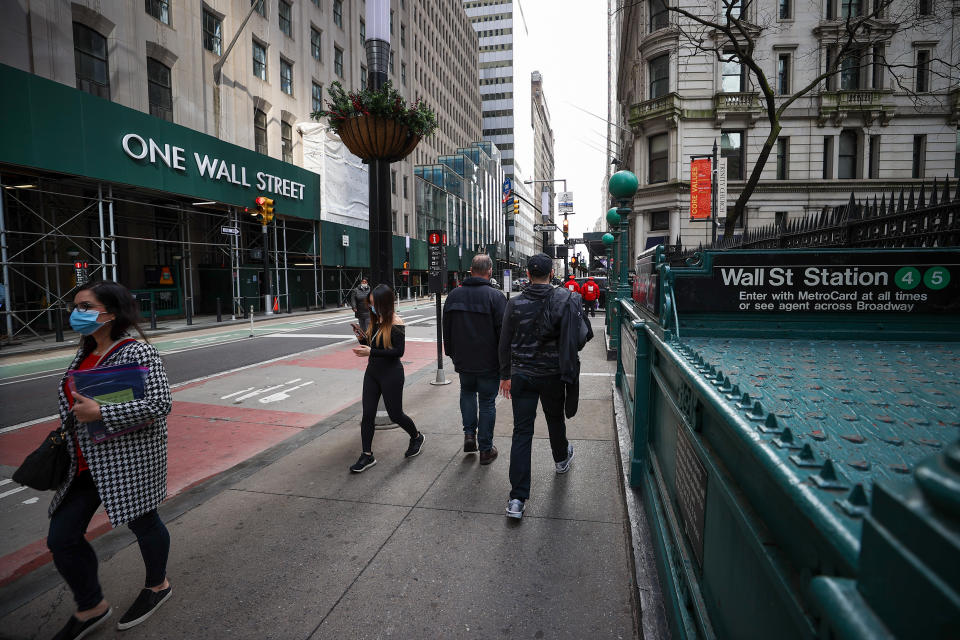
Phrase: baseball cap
(539, 265)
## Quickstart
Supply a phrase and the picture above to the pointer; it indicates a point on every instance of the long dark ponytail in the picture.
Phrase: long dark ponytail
(117, 300)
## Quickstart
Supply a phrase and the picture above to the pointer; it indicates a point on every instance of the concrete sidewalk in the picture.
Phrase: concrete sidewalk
(291, 545)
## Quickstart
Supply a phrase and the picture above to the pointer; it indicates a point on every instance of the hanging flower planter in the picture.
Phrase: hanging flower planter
(375, 138)
(377, 124)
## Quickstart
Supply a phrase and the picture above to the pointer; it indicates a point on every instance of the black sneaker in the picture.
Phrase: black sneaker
(143, 607)
(366, 460)
(76, 629)
(415, 444)
(470, 443)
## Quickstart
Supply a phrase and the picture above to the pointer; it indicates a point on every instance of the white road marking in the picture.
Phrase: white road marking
(7, 481)
(31, 500)
(283, 395)
(230, 395)
(12, 491)
(259, 391)
(598, 374)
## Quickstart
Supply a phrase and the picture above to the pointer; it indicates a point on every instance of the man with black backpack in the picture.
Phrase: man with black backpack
(543, 329)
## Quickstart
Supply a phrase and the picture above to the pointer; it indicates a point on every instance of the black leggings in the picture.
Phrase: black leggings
(384, 379)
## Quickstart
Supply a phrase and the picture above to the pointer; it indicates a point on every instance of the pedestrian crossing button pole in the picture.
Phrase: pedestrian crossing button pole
(437, 255)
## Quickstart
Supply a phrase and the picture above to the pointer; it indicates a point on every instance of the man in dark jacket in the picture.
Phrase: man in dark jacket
(472, 316)
(360, 301)
(543, 329)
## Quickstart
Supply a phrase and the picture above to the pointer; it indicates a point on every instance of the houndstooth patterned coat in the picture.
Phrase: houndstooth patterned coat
(130, 470)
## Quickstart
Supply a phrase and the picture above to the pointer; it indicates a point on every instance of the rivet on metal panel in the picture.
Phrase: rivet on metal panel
(734, 392)
(757, 412)
(744, 402)
(786, 440)
(717, 378)
(726, 386)
(856, 504)
(770, 425)
(829, 477)
(805, 458)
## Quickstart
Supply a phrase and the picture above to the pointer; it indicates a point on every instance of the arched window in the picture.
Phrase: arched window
(90, 56)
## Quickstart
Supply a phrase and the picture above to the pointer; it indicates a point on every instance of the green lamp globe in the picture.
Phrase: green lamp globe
(623, 184)
(613, 218)
(608, 239)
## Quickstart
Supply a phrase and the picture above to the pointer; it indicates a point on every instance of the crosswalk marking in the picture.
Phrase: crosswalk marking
(12, 491)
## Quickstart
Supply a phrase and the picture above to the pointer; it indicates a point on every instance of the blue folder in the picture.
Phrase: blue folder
(110, 385)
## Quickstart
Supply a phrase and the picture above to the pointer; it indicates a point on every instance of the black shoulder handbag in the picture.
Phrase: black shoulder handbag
(47, 467)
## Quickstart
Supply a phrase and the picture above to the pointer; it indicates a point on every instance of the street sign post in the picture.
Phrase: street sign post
(507, 281)
(721, 188)
(565, 202)
(230, 231)
(507, 189)
(437, 263)
(576, 241)
(545, 227)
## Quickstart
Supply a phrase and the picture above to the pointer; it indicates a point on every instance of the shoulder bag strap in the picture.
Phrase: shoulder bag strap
(122, 342)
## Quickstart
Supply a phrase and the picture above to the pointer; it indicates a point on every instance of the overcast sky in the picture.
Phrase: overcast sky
(570, 41)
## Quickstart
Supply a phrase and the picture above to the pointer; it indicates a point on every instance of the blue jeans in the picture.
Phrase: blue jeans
(526, 391)
(478, 397)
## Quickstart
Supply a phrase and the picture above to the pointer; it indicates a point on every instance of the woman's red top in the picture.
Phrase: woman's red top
(87, 363)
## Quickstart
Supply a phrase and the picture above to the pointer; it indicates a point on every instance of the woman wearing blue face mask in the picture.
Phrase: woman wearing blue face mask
(383, 346)
(127, 472)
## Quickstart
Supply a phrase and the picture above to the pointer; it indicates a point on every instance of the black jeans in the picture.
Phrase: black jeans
(386, 379)
(525, 391)
(76, 560)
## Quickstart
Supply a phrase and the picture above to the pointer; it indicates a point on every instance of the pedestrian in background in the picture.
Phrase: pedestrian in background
(543, 330)
(571, 285)
(472, 317)
(360, 303)
(590, 291)
(384, 346)
(127, 472)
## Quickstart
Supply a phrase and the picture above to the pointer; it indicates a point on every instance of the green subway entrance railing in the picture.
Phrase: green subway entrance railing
(796, 439)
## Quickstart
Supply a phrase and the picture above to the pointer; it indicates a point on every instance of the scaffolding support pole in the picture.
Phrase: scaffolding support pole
(276, 264)
(189, 260)
(103, 239)
(113, 238)
(316, 254)
(7, 302)
(234, 265)
(286, 272)
(46, 267)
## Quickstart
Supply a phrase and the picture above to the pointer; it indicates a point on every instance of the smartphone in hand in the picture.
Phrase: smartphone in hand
(357, 331)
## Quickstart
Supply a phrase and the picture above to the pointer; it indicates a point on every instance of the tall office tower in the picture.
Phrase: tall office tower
(542, 145)
(505, 68)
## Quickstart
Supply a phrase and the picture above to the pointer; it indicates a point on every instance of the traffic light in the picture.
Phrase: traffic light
(566, 226)
(516, 206)
(573, 262)
(264, 209)
(406, 265)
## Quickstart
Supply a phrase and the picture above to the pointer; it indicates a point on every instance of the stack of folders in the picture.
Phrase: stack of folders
(110, 385)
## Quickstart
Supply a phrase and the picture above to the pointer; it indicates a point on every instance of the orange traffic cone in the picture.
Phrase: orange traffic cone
(276, 304)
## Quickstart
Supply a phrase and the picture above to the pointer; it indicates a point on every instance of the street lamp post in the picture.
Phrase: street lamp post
(377, 48)
(622, 186)
(608, 241)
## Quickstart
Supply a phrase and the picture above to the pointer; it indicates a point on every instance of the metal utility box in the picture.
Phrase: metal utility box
(795, 437)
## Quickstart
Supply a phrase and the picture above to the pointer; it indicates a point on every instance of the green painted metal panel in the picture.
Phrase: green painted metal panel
(53, 127)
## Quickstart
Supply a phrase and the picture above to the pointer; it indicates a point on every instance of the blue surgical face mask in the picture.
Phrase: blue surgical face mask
(373, 310)
(85, 322)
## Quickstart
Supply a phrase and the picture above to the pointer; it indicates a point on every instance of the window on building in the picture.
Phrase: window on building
(393, 182)
(159, 90)
(283, 14)
(363, 78)
(260, 131)
(659, 15)
(261, 7)
(403, 35)
(316, 96)
(851, 8)
(338, 13)
(405, 191)
(873, 163)
(780, 219)
(391, 61)
(403, 73)
(659, 152)
(923, 70)
(259, 60)
(919, 155)
(731, 74)
(925, 7)
(338, 61)
(783, 158)
(732, 148)
(393, 216)
(286, 76)
(212, 32)
(660, 76)
(159, 9)
(784, 9)
(316, 40)
(827, 157)
(659, 220)
(363, 31)
(850, 71)
(848, 155)
(391, 21)
(878, 67)
(406, 224)
(286, 141)
(90, 57)
(783, 74)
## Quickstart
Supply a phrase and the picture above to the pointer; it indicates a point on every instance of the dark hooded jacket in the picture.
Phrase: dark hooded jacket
(359, 300)
(543, 329)
(472, 317)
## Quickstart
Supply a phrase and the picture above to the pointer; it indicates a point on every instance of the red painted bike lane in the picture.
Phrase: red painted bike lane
(219, 422)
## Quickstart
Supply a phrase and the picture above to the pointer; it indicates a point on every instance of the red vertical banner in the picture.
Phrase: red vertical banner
(700, 189)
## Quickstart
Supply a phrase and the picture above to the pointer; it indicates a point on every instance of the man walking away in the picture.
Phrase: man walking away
(359, 301)
(571, 285)
(543, 329)
(472, 317)
(591, 293)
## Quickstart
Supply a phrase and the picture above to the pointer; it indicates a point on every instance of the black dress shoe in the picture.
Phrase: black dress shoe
(486, 457)
(76, 628)
(469, 443)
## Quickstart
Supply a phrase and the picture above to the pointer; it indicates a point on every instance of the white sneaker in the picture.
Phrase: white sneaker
(563, 467)
(515, 508)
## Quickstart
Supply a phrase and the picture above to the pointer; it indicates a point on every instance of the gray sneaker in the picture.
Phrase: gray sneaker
(515, 508)
(563, 467)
